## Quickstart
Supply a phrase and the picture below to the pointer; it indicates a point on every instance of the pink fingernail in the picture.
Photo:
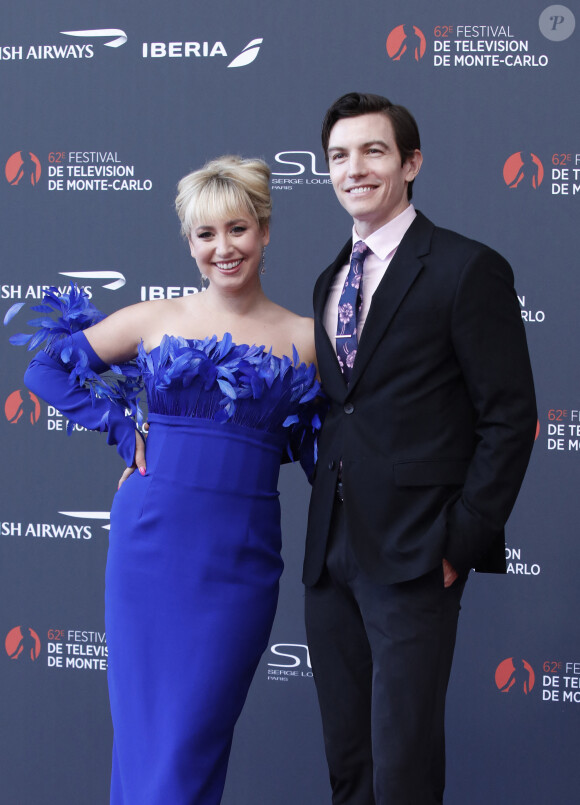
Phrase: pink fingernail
(142, 470)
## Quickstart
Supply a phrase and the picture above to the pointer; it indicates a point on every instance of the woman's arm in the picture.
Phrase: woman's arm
(63, 377)
(66, 373)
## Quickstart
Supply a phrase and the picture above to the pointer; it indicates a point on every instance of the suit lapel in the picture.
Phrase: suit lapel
(402, 272)
(332, 378)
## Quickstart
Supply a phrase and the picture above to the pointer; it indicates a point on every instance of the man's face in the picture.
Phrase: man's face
(366, 171)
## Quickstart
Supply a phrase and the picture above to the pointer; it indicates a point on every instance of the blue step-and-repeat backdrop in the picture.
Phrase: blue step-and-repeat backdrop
(105, 106)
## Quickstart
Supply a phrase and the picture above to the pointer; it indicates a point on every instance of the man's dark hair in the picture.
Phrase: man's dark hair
(354, 104)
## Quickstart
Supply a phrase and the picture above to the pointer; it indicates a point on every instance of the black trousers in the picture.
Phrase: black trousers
(381, 657)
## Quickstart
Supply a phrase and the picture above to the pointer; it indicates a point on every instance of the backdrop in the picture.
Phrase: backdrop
(106, 106)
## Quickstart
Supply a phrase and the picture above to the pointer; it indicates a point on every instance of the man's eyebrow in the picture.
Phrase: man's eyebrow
(363, 145)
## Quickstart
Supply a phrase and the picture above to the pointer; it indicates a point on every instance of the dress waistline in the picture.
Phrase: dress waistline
(226, 429)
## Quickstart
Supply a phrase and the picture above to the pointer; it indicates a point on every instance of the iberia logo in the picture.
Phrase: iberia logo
(406, 41)
(248, 54)
(23, 168)
(22, 643)
(515, 676)
(523, 169)
(22, 406)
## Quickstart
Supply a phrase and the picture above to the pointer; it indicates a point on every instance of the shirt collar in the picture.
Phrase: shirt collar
(386, 239)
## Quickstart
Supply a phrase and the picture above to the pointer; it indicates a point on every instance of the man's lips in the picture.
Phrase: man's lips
(360, 189)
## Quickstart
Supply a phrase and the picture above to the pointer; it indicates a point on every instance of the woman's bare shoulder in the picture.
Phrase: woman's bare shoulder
(118, 335)
(300, 332)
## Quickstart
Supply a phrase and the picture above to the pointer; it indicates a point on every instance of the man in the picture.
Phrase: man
(421, 456)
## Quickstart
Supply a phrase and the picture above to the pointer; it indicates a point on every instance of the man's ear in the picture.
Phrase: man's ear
(413, 165)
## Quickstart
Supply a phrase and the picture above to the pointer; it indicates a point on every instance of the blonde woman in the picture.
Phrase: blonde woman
(194, 555)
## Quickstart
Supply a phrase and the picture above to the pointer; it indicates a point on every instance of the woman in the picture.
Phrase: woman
(194, 553)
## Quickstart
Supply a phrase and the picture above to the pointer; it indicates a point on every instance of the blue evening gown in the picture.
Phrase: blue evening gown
(194, 555)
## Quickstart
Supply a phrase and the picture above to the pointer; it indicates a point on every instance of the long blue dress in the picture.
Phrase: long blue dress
(193, 565)
(194, 554)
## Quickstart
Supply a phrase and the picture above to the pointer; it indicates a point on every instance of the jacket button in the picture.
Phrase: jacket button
(331, 464)
(348, 408)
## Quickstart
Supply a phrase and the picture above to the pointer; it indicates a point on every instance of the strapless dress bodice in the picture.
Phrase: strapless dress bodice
(227, 383)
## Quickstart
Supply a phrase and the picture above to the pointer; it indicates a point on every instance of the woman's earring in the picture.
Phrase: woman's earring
(204, 282)
(263, 261)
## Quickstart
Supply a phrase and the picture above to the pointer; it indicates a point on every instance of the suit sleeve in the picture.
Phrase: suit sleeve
(490, 344)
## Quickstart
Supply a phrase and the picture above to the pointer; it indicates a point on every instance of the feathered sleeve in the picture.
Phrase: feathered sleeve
(305, 423)
(68, 372)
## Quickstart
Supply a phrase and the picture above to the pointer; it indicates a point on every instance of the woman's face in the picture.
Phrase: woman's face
(229, 251)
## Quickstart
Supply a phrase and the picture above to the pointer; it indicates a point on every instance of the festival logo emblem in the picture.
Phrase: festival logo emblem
(523, 169)
(22, 406)
(23, 168)
(406, 42)
(22, 643)
(515, 675)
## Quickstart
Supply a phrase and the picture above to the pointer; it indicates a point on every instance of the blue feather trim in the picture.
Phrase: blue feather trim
(64, 315)
(229, 380)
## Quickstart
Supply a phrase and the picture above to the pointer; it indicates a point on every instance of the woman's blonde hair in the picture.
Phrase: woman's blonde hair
(222, 189)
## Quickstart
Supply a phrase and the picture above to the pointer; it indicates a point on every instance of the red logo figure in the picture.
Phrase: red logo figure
(523, 167)
(515, 675)
(408, 41)
(23, 167)
(22, 642)
(22, 406)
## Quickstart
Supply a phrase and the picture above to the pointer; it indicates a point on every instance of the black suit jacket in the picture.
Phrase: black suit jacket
(436, 427)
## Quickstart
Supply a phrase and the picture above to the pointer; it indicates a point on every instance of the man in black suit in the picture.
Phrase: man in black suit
(420, 460)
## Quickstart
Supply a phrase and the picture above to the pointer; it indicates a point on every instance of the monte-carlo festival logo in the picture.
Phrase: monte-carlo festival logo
(450, 43)
(22, 644)
(515, 675)
(22, 169)
(406, 43)
(523, 169)
(22, 407)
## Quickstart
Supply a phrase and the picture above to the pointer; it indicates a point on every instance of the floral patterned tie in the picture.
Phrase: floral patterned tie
(349, 307)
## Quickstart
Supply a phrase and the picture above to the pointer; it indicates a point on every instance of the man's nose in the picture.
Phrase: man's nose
(356, 165)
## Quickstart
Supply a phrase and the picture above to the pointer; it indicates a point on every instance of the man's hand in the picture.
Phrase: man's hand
(449, 574)
(138, 461)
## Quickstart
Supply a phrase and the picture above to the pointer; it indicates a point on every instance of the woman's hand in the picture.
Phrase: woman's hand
(139, 460)
(449, 574)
